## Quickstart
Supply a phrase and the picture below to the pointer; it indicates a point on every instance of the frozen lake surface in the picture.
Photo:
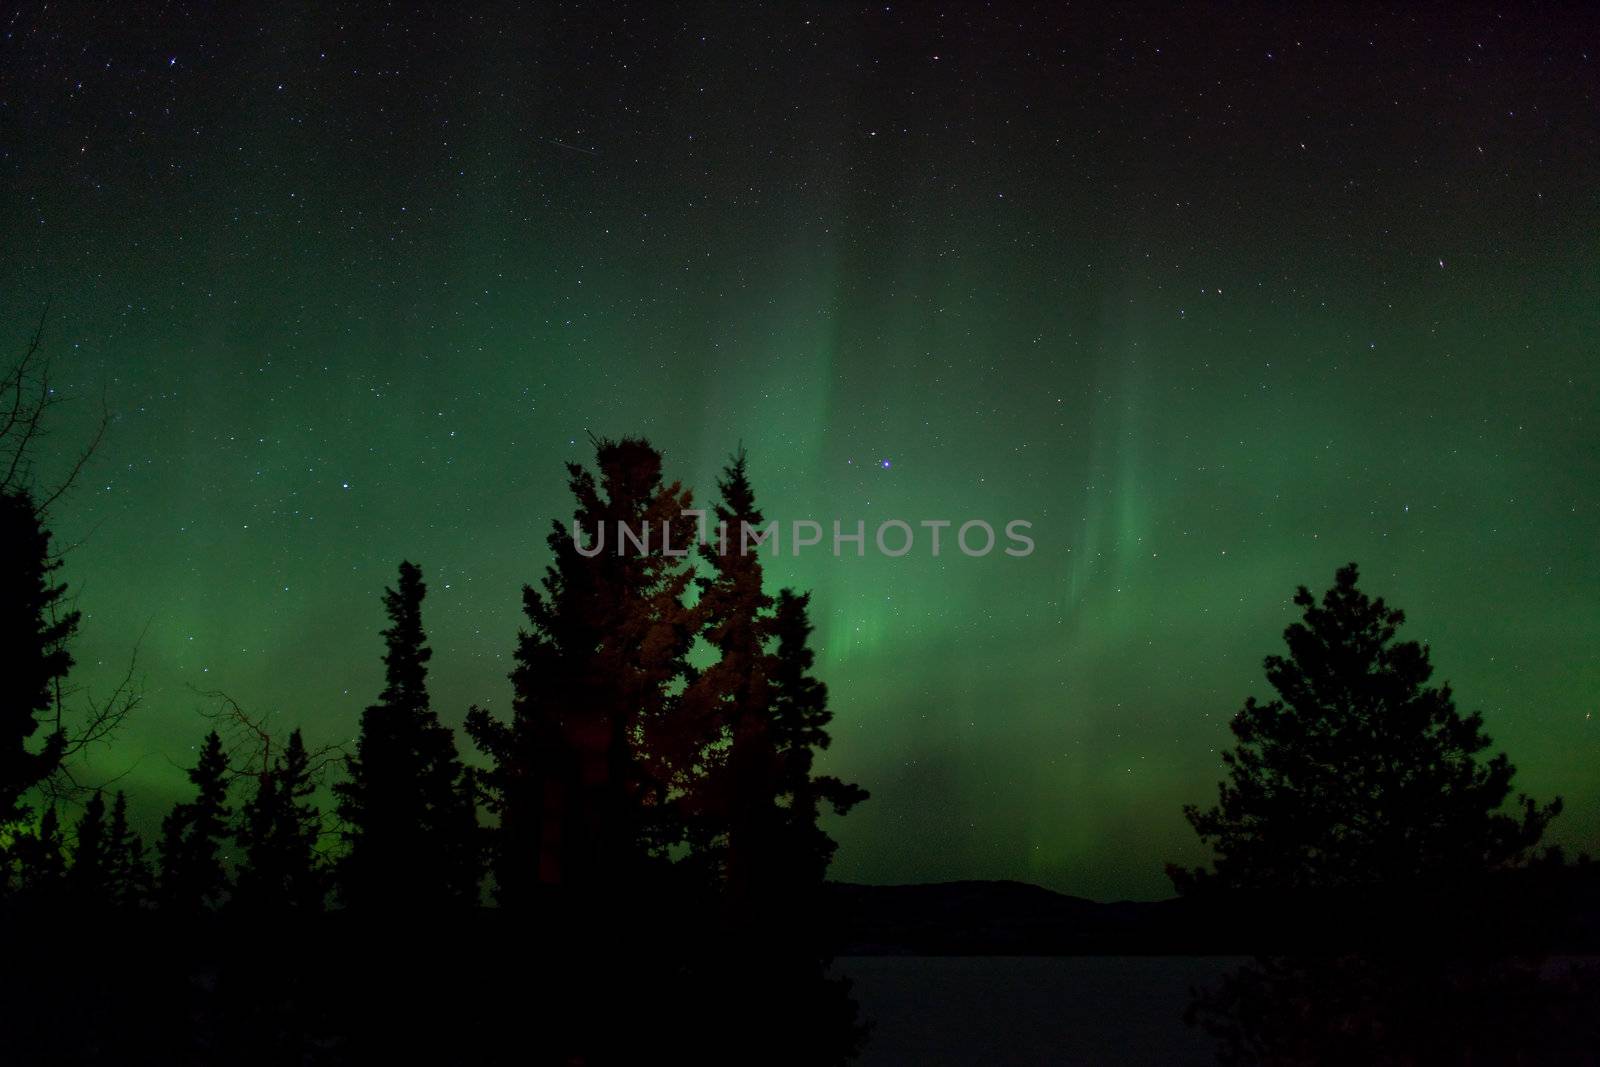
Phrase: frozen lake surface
(1021, 1010)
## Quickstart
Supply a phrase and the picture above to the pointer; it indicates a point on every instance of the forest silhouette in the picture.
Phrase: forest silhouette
(632, 865)
(1357, 798)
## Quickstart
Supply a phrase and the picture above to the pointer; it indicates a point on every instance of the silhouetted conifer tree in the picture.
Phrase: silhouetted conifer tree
(729, 797)
(800, 717)
(108, 868)
(192, 873)
(1359, 771)
(128, 868)
(88, 880)
(35, 626)
(583, 770)
(279, 868)
(752, 801)
(408, 805)
(756, 800)
(41, 858)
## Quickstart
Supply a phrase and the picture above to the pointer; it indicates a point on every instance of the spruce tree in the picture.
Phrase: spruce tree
(1359, 771)
(35, 626)
(729, 800)
(41, 858)
(88, 881)
(128, 867)
(278, 829)
(193, 877)
(408, 804)
(583, 772)
(757, 802)
(754, 800)
(800, 718)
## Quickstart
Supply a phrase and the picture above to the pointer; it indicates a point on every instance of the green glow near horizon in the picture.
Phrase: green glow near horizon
(1205, 345)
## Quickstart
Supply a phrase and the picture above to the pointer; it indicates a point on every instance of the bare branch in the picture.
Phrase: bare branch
(242, 731)
(101, 723)
(28, 396)
(16, 379)
(84, 455)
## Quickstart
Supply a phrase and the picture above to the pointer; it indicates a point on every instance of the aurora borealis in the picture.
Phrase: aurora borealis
(1216, 302)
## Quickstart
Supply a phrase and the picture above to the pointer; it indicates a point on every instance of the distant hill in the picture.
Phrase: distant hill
(1558, 911)
(984, 918)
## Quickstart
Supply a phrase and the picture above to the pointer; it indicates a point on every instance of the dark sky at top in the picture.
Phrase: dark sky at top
(1217, 301)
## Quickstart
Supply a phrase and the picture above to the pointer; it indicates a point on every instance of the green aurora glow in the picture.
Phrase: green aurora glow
(355, 295)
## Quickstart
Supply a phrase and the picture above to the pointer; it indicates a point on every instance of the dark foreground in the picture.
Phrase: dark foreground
(586, 988)
(1026, 1010)
(961, 973)
(1063, 1010)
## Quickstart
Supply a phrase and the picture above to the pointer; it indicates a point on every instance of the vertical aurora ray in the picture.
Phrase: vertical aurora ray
(1214, 330)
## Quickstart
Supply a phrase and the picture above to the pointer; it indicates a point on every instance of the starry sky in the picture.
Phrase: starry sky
(1217, 301)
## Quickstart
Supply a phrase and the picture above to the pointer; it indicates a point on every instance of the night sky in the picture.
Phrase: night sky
(1218, 302)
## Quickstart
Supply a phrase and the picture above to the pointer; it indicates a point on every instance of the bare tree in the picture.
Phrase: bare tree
(101, 719)
(251, 741)
(27, 396)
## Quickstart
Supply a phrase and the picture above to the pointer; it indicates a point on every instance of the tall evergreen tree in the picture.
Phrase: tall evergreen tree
(277, 835)
(583, 770)
(408, 804)
(754, 800)
(41, 858)
(729, 794)
(35, 627)
(756, 789)
(88, 880)
(130, 878)
(1359, 771)
(800, 718)
(192, 873)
